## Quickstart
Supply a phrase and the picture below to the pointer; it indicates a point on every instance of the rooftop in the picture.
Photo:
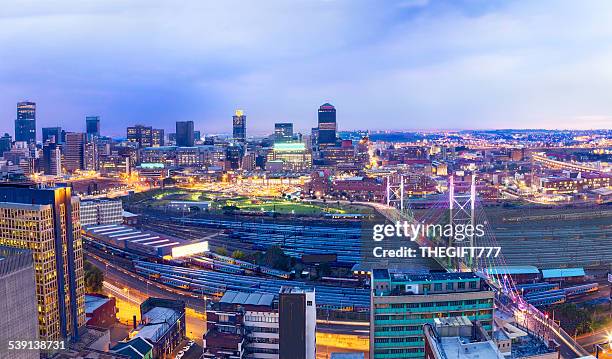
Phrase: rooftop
(93, 302)
(562, 272)
(513, 270)
(234, 297)
(461, 348)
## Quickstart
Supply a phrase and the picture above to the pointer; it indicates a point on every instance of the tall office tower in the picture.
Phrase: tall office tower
(52, 159)
(184, 133)
(143, 135)
(92, 124)
(46, 221)
(297, 323)
(233, 156)
(401, 303)
(91, 158)
(327, 125)
(197, 135)
(18, 305)
(74, 151)
(283, 132)
(239, 126)
(6, 142)
(157, 137)
(53, 134)
(25, 124)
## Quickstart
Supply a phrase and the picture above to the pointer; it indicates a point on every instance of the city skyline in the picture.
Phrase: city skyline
(510, 66)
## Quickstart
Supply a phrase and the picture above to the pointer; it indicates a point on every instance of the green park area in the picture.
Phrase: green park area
(222, 202)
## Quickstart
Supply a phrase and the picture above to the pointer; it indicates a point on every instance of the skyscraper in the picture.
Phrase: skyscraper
(25, 124)
(184, 134)
(239, 126)
(46, 221)
(92, 124)
(49, 133)
(283, 132)
(74, 151)
(18, 304)
(52, 159)
(327, 125)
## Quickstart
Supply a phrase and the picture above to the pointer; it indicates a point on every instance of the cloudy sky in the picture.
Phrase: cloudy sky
(406, 64)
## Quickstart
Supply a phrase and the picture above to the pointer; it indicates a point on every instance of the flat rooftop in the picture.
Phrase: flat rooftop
(93, 302)
(461, 348)
(415, 276)
(118, 234)
(243, 298)
(157, 318)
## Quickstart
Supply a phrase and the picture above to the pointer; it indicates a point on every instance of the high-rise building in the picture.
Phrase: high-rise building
(6, 142)
(184, 134)
(143, 135)
(74, 151)
(239, 126)
(46, 221)
(51, 163)
(18, 305)
(92, 124)
(327, 125)
(91, 158)
(283, 132)
(197, 135)
(157, 137)
(402, 302)
(53, 134)
(25, 124)
(297, 313)
(233, 156)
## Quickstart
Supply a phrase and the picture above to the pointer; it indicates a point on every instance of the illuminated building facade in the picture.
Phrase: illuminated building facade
(25, 124)
(401, 303)
(327, 125)
(239, 126)
(46, 221)
(145, 136)
(283, 132)
(294, 156)
(52, 159)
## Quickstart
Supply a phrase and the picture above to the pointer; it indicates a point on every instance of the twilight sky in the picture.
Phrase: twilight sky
(405, 64)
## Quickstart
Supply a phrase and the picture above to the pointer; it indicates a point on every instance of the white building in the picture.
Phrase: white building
(101, 211)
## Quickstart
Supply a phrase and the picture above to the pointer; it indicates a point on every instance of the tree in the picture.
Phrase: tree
(275, 257)
(238, 254)
(94, 278)
(222, 251)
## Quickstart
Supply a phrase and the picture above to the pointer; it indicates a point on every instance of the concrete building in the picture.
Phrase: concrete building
(297, 323)
(401, 303)
(240, 325)
(458, 338)
(18, 305)
(46, 221)
(101, 211)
